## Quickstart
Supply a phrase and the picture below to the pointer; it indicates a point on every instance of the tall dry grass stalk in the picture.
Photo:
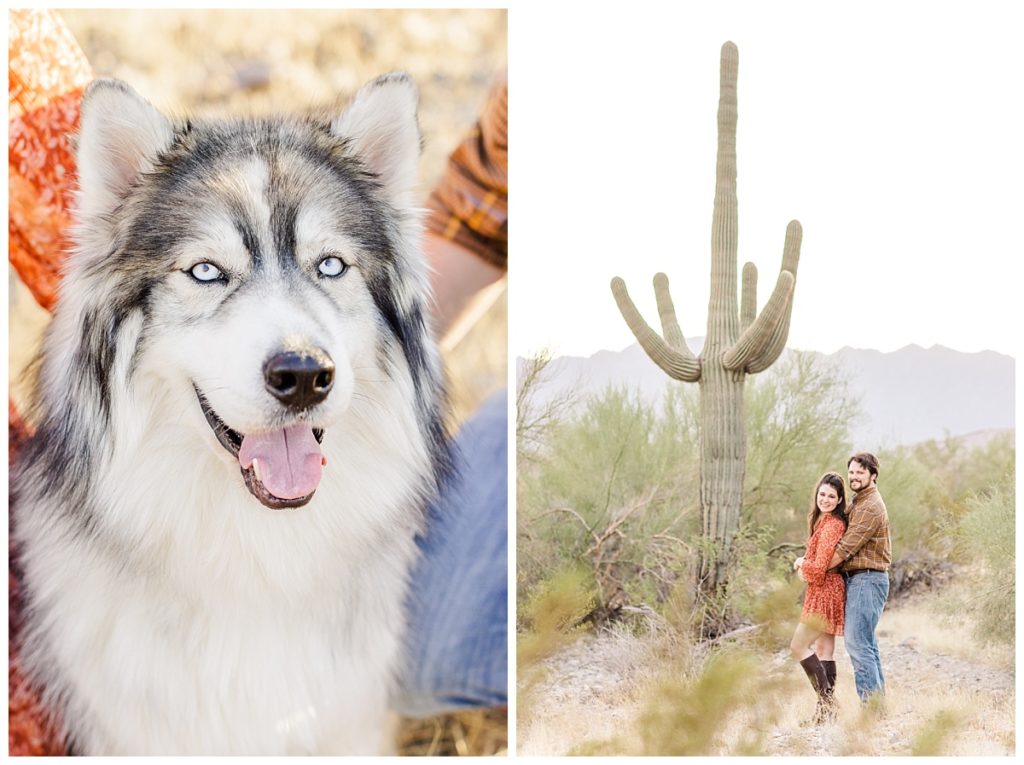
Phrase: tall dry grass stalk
(934, 735)
(552, 614)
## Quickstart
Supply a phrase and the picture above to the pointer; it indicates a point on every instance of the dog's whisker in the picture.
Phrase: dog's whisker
(368, 399)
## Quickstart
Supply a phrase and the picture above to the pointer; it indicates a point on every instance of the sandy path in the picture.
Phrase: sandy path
(593, 691)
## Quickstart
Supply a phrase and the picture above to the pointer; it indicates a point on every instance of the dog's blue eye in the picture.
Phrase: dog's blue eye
(206, 272)
(332, 266)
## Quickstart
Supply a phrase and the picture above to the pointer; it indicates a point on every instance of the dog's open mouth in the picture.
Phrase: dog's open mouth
(281, 468)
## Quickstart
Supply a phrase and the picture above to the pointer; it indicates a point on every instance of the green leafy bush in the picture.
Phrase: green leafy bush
(798, 415)
(986, 537)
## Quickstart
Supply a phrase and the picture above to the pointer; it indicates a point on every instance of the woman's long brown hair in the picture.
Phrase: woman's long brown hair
(836, 482)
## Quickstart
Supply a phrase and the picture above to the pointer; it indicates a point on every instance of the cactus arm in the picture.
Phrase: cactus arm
(678, 363)
(791, 249)
(790, 261)
(667, 311)
(756, 339)
(748, 303)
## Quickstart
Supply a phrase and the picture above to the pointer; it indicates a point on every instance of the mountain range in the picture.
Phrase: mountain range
(910, 395)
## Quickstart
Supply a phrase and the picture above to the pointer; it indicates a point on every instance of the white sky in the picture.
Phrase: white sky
(892, 131)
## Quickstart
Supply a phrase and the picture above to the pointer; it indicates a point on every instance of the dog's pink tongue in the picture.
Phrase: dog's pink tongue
(290, 461)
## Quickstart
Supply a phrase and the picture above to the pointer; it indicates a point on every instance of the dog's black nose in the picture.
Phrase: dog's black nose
(299, 380)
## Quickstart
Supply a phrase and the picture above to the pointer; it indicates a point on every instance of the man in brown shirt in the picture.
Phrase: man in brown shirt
(863, 556)
(458, 637)
(466, 239)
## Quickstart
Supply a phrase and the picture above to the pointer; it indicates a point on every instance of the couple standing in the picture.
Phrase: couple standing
(848, 599)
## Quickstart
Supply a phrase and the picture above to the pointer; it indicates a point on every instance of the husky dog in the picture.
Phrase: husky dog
(238, 424)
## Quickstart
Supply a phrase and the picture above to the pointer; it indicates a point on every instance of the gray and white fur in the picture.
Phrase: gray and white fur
(258, 280)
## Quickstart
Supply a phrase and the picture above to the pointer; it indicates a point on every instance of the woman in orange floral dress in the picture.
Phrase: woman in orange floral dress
(47, 73)
(814, 641)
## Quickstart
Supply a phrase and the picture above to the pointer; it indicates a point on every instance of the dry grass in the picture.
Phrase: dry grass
(574, 728)
(932, 624)
(586, 692)
(739, 708)
(475, 732)
(582, 698)
(660, 696)
(926, 710)
(946, 721)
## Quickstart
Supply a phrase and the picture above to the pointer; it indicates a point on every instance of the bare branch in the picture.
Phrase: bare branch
(785, 547)
(613, 527)
(534, 419)
(676, 540)
(570, 511)
(735, 633)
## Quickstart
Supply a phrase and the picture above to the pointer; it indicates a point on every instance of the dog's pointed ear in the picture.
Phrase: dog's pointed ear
(120, 136)
(379, 125)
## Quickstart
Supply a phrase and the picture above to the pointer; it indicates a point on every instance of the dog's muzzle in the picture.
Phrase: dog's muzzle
(282, 468)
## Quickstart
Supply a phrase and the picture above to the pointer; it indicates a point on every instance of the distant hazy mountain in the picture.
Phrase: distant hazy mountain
(910, 395)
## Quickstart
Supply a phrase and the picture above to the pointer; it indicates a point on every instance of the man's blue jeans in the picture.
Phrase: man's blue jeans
(458, 604)
(866, 594)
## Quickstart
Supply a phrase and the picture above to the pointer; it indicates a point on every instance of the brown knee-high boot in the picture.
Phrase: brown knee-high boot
(819, 681)
(830, 673)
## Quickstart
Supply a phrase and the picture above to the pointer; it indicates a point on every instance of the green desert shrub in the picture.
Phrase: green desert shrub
(798, 415)
(986, 537)
(615, 485)
(929, 487)
(616, 492)
(553, 611)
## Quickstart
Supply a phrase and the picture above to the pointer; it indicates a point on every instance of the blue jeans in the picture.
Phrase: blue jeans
(457, 645)
(866, 594)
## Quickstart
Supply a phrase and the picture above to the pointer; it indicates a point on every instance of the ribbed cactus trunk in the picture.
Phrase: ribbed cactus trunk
(723, 431)
(738, 342)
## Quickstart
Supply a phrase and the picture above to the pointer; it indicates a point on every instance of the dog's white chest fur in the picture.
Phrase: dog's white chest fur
(200, 622)
(160, 661)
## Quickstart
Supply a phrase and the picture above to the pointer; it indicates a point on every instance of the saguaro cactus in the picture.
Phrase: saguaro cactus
(737, 344)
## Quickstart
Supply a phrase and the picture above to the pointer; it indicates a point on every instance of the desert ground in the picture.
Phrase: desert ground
(612, 691)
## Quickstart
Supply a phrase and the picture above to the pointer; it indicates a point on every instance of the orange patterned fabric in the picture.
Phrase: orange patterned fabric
(47, 73)
(825, 601)
(32, 729)
(470, 203)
